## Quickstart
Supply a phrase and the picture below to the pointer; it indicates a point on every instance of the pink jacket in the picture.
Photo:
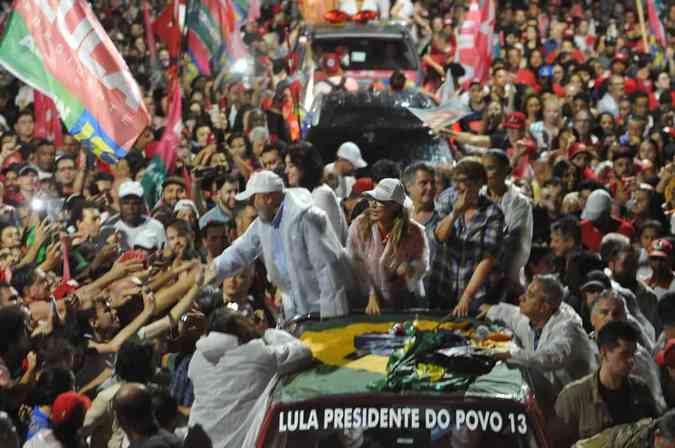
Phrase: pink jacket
(376, 265)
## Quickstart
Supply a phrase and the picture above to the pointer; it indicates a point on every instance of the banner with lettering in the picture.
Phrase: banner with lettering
(59, 48)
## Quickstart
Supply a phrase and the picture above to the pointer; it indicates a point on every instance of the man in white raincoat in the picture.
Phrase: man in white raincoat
(301, 252)
(553, 339)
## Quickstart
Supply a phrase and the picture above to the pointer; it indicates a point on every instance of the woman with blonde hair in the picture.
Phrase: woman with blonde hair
(389, 250)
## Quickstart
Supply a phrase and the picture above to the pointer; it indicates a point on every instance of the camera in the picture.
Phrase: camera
(210, 172)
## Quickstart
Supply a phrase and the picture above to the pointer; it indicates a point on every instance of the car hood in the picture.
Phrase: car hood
(365, 110)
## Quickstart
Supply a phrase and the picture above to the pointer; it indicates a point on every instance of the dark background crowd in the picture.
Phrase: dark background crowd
(556, 217)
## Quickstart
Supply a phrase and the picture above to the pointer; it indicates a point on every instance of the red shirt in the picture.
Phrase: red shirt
(591, 237)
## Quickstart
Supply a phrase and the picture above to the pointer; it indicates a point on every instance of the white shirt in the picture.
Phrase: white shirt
(345, 183)
(518, 228)
(325, 199)
(351, 8)
(228, 379)
(150, 226)
(564, 352)
(407, 10)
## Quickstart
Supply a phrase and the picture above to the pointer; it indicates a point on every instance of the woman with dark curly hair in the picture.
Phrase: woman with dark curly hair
(304, 168)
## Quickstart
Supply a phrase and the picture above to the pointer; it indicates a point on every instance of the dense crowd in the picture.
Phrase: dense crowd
(130, 323)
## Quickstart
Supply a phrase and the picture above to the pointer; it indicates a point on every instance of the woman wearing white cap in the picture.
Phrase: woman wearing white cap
(389, 250)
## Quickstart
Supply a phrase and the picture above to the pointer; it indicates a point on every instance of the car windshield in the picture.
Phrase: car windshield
(398, 425)
(370, 53)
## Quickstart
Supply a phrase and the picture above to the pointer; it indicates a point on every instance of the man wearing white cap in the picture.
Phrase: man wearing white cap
(131, 221)
(301, 252)
(348, 159)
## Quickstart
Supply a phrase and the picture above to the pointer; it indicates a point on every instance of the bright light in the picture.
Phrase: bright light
(241, 67)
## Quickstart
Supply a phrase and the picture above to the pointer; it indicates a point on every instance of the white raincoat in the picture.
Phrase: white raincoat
(318, 266)
(229, 378)
(564, 352)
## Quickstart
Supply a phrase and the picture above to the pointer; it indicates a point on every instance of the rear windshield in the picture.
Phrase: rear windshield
(400, 426)
(370, 53)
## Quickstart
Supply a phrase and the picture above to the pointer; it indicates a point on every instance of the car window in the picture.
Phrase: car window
(422, 426)
(369, 53)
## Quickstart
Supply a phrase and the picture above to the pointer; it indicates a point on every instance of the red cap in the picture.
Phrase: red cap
(666, 357)
(578, 148)
(660, 248)
(330, 63)
(65, 404)
(65, 288)
(514, 120)
(362, 184)
(276, 9)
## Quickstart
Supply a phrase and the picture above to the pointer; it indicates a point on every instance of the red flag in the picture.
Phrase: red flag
(168, 145)
(149, 35)
(47, 123)
(166, 27)
(655, 24)
(253, 10)
(474, 50)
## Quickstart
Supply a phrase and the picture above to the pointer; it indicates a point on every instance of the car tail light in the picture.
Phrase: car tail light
(336, 16)
(365, 16)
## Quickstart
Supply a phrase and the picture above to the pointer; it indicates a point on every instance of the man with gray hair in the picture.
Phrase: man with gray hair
(259, 138)
(553, 339)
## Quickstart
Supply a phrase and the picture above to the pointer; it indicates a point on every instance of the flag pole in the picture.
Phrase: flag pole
(643, 28)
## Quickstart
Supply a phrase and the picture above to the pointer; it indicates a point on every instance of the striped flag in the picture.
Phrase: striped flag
(655, 23)
(214, 39)
(474, 50)
(60, 49)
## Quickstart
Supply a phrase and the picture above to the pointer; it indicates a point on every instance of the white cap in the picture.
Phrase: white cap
(130, 188)
(598, 203)
(351, 153)
(261, 182)
(148, 239)
(388, 190)
(186, 203)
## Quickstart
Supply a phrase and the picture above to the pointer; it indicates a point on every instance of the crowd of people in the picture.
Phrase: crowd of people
(130, 323)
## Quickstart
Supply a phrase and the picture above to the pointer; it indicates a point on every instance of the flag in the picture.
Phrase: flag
(655, 23)
(474, 49)
(213, 33)
(451, 109)
(47, 123)
(61, 50)
(442, 116)
(246, 9)
(164, 156)
(155, 71)
(166, 27)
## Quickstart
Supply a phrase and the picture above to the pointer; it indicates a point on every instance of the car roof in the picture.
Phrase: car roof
(336, 377)
(376, 29)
